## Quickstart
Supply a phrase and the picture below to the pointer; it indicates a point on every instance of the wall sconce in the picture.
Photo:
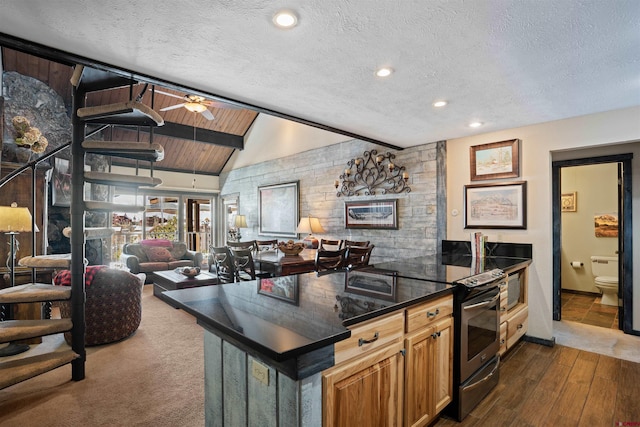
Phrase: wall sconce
(371, 173)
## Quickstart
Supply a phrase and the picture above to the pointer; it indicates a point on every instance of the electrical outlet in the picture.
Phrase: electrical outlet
(260, 372)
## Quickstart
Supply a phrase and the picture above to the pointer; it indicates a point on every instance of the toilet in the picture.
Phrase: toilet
(605, 271)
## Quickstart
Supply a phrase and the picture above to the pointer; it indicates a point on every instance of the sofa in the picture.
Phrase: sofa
(152, 255)
(113, 307)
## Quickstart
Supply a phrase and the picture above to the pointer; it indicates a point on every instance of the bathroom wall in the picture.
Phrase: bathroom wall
(597, 192)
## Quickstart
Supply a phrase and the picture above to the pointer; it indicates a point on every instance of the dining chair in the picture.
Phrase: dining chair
(249, 244)
(329, 244)
(349, 243)
(357, 256)
(270, 243)
(243, 264)
(221, 263)
(329, 260)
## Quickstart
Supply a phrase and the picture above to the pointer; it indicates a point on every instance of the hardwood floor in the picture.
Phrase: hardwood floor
(559, 386)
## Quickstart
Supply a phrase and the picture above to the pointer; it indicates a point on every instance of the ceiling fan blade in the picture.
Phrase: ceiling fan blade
(169, 94)
(173, 107)
(207, 115)
(218, 104)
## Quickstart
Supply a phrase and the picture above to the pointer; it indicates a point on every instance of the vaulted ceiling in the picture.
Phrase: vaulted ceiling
(503, 63)
(202, 146)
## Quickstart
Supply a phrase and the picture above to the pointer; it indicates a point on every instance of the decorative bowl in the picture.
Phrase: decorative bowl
(188, 271)
(290, 248)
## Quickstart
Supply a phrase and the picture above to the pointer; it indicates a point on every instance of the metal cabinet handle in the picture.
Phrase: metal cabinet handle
(520, 326)
(502, 341)
(435, 334)
(431, 314)
(503, 309)
(362, 341)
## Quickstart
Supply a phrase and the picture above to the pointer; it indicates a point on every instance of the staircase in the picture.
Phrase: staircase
(27, 365)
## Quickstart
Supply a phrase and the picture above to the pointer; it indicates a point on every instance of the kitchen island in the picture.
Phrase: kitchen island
(270, 343)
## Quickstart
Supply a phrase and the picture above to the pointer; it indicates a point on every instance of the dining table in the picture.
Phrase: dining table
(276, 263)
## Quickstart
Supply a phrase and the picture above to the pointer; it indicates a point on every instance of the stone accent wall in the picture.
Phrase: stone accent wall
(421, 213)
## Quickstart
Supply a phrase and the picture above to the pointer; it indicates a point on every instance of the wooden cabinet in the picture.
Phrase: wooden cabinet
(394, 370)
(429, 367)
(365, 391)
(513, 309)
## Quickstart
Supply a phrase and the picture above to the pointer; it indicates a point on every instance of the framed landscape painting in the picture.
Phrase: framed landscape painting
(495, 160)
(371, 214)
(496, 205)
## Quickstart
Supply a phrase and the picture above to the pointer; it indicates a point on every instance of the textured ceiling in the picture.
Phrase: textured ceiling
(504, 63)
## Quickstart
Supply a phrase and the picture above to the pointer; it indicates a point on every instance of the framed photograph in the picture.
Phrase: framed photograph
(284, 288)
(495, 160)
(371, 214)
(61, 183)
(375, 283)
(496, 205)
(278, 209)
(569, 202)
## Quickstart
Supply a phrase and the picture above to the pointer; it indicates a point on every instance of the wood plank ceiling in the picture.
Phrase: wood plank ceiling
(184, 155)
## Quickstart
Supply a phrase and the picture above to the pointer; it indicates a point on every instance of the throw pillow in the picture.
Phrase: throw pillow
(157, 254)
(63, 278)
(156, 242)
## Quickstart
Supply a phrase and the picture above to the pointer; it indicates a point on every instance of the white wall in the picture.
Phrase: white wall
(538, 144)
(596, 188)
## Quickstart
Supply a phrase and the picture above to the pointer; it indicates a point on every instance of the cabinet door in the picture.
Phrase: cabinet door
(443, 365)
(366, 391)
(419, 380)
(428, 374)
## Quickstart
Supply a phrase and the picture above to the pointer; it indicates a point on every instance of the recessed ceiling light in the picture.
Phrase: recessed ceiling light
(285, 19)
(475, 124)
(384, 72)
(440, 103)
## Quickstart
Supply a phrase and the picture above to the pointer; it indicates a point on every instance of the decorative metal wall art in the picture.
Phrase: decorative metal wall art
(371, 173)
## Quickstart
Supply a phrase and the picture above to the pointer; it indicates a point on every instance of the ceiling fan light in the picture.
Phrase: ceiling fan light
(195, 107)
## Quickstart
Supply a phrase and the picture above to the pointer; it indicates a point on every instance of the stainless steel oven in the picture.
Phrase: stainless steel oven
(477, 340)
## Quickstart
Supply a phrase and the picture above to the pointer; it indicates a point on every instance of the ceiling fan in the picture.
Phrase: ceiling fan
(195, 104)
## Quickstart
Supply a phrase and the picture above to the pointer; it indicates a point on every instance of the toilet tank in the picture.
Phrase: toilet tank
(604, 266)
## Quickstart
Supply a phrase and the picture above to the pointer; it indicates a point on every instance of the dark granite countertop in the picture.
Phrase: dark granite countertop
(294, 321)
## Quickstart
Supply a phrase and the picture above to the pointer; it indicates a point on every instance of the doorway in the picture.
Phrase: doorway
(621, 165)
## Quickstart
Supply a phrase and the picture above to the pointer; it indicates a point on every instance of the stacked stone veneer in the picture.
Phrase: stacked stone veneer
(421, 213)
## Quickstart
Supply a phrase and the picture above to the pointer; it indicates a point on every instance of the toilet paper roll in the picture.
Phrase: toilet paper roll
(576, 264)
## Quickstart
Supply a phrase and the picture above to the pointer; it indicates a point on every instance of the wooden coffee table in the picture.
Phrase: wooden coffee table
(169, 280)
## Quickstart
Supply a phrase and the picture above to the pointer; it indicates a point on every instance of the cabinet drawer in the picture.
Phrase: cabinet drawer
(427, 313)
(503, 338)
(370, 336)
(517, 326)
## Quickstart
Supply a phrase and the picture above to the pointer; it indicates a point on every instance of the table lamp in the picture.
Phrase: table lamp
(13, 221)
(310, 225)
(240, 222)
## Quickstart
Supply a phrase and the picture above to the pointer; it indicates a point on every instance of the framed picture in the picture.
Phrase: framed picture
(372, 214)
(61, 183)
(278, 209)
(284, 288)
(569, 202)
(606, 224)
(375, 283)
(495, 160)
(496, 205)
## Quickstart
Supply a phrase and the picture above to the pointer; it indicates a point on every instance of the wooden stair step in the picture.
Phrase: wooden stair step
(46, 261)
(96, 206)
(130, 113)
(34, 292)
(121, 179)
(14, 330)
(129, 149)
(90, 79)
(18, 370)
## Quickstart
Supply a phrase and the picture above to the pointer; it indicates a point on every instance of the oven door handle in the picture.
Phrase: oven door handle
(482, 304)
(485, 379)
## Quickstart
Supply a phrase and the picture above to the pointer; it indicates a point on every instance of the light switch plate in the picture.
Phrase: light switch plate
(260, 372)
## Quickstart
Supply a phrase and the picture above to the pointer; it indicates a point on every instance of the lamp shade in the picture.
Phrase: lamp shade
(241, 221)
(309, 225)
(15, 219)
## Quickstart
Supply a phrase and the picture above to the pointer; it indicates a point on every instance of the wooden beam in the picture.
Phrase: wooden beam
(177, 130)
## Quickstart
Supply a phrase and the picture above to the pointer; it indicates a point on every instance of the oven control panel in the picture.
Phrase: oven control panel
(482, 278)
